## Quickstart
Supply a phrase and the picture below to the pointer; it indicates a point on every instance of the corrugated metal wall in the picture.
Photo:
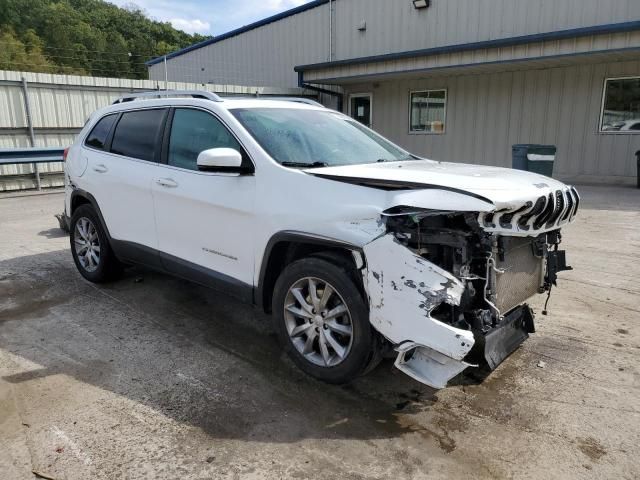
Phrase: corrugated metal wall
(608, 44)
(60, 105)
(395, 26)
(268, 54)
(488, 113)
(264, 56)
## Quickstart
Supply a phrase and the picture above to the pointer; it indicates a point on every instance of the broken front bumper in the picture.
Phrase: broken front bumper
(404, 289)
(435, 369)
(503, 340)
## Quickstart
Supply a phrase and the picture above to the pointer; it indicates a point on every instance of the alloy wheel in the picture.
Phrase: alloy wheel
(87, 244)
(318, 322)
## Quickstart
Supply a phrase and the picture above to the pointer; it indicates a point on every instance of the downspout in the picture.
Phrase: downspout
(330, 30)
(308, 86)
(325, 91)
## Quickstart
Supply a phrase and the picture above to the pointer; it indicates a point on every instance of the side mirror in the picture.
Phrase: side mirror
(216, 159)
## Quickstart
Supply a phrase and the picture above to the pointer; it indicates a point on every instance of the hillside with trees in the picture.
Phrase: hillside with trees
(83, 37)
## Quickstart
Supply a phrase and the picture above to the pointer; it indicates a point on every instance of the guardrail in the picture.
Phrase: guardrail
(11, 156)
(33, 155)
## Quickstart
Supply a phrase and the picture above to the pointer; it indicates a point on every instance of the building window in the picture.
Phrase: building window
(621, 106)
(428, 111)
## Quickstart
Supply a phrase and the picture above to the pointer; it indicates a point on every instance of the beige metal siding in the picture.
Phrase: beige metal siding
(603, 44)
(488, 113)
(395, 26)
(264, 56)
(267, 55)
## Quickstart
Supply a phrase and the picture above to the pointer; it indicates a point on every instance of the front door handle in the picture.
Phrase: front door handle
(100, 168)
(167, 182)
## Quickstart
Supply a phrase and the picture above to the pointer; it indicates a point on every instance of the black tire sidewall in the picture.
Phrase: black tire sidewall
(107, 264)
(361, 349)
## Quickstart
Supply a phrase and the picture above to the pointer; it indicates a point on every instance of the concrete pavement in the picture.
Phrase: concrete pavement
(153, 377)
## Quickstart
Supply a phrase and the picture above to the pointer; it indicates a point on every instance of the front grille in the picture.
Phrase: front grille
(545, 213)
(537, 209)
(522, 275)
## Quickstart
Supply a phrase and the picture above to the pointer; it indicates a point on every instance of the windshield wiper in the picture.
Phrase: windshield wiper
(385, 160)
(304, 164)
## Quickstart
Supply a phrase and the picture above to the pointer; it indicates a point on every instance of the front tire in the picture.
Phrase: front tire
(322, 320)
(90, 247)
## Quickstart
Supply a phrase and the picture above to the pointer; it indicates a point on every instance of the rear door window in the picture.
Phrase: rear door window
(138, 134)
(98, 137)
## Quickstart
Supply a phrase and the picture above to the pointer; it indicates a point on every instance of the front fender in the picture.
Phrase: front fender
(403, 290)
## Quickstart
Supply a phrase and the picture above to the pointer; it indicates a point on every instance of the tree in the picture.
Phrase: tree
(26, 55)
(84, 37)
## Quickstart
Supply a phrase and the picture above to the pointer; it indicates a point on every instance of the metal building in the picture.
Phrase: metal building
(454, 80)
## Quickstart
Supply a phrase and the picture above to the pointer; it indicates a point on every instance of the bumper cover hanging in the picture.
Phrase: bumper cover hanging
(504, 339)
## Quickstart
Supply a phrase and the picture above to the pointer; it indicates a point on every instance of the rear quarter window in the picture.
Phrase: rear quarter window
(98, 137)
(137, 134)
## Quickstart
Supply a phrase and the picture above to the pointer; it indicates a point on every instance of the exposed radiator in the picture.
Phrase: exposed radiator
(523, 273)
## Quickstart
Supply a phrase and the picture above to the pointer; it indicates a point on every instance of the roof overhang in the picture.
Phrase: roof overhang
(528, 51)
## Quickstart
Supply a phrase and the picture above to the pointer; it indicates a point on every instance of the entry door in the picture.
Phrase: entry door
(360, 108)
(204, 220)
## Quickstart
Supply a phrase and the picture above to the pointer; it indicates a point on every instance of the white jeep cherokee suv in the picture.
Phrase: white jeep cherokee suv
(356, 247)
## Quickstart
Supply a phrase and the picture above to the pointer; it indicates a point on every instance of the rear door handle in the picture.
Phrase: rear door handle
(100, 168)
(167, 182)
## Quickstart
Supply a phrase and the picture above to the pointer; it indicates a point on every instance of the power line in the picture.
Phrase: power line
(91, 60)
(45, 47)
(55, 69)
(94, 60)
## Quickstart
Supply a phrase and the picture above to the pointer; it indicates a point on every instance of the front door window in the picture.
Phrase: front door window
(194, 131)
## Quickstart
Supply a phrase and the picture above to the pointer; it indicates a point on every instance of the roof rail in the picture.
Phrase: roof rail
(295, 99)
(169, 93)
(276, 98)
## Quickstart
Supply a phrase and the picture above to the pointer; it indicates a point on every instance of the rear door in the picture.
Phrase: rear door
(205, 220)
(119, 176)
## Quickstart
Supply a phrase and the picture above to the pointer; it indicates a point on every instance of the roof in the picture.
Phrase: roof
(241, 30)
(496, 43)
(225, 103)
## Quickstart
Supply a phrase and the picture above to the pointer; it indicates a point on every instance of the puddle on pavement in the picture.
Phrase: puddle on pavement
(20, 300)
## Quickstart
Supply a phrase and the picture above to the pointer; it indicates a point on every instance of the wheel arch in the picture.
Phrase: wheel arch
(288, 246)
(81, 197)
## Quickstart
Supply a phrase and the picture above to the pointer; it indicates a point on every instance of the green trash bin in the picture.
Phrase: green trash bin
(535, 158)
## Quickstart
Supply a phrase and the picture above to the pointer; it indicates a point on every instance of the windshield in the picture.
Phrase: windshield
(316, 138)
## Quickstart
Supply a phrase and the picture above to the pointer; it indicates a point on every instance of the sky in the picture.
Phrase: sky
(211, 17)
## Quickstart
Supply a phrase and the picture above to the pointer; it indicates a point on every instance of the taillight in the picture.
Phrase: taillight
(64, 154)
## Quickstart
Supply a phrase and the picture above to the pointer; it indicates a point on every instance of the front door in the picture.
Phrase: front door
(360, 108)
(204, 220)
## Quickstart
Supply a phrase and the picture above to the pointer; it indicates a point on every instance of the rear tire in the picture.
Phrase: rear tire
(90, 247)
(322, 320)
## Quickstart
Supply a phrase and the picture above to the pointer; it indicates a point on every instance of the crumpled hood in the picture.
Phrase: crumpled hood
(503, 187)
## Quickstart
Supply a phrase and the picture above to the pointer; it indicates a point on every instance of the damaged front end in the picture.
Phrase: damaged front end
(448, 292)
